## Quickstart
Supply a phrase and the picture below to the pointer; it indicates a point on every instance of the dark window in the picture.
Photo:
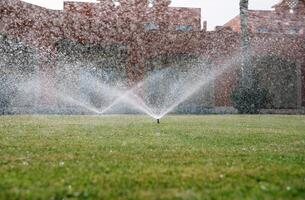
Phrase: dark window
(151, 26)
(293, 31)
(184, 27)
(262, 30)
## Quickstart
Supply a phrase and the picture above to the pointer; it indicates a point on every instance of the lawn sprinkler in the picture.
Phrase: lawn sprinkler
(158, 121)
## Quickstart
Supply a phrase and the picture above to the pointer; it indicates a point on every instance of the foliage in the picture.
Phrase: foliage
(16, 57)
(274, 85)
(7, 93)
(249, 100)
(279, 76)
(132, 157)
(106, 61)
(180, 63)
(17, 63)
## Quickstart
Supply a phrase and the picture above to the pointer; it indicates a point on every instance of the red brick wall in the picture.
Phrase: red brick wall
(95, 24)
(234, 24)
(278, 21)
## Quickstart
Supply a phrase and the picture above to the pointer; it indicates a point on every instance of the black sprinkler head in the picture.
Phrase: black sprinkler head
(158, 121)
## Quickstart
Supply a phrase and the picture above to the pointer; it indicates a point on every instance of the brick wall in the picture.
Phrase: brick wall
(104, 23)
(279, 21)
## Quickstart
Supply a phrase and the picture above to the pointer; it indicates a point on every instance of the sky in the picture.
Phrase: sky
(215, 12)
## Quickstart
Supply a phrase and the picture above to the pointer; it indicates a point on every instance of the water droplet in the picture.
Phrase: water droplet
(25, 163)
(263, 187)
(69, 187)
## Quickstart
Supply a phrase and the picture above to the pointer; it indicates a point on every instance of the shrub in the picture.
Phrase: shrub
(274, 85)
(279, 76)
(7, 93)
(249, 100)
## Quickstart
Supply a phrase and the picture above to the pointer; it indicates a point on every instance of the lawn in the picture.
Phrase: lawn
(133, 157)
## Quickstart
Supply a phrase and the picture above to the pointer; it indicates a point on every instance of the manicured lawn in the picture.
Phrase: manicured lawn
(132, 157)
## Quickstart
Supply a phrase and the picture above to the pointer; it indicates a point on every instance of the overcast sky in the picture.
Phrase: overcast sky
(216, 12)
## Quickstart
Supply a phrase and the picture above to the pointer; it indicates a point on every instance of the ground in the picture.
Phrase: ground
(132, 157)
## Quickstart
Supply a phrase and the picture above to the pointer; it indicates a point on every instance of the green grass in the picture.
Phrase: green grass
(132, 157)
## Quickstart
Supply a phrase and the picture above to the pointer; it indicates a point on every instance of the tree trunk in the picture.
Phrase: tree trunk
(246, 68)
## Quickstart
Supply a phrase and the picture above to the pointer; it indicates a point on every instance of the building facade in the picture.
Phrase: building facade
(144, 31)
(283, 19)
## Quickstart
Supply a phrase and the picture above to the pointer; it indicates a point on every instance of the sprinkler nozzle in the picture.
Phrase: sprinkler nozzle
(158, 121)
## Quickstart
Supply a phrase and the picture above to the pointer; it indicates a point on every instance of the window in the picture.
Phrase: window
(262, 30)
(184, 27)
(293, 31)
(151, 26)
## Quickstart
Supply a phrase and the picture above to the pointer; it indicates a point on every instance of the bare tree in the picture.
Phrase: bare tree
(246, 68)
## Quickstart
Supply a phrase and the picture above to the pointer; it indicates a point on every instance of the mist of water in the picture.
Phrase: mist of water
(158, 94)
